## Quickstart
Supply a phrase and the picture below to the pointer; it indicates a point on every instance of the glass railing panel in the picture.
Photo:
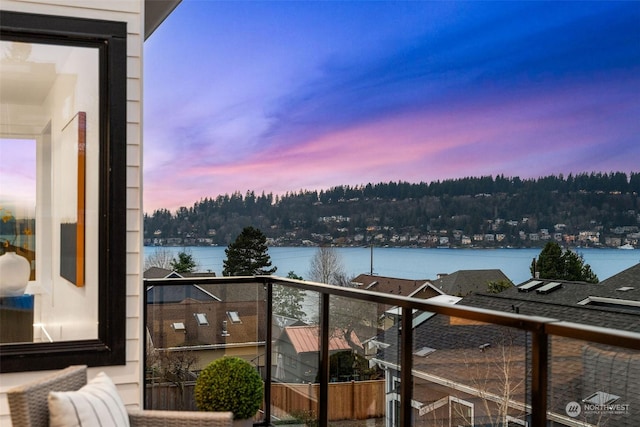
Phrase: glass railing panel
(593, 384)
(468, 373)
(356, 392)
(189, 325)
(295, 355)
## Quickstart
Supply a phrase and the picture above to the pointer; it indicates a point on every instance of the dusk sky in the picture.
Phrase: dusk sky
(282, 96)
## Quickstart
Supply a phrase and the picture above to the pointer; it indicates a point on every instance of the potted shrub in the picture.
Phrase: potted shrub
(230, 384)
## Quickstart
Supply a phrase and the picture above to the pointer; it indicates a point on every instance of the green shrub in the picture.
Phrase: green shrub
(230, 384)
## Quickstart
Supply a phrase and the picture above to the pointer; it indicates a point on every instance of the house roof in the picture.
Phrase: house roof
(229, 292)
(600, 304)
(306, 339)
(628, 277)
(458, 354)
(237, 291)
(201, 324)
(178, 293)
(155, 12)
(164, 273)
(464, 282)
(160, 273)
(389, 285)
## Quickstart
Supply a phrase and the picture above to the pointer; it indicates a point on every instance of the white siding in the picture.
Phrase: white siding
(128, 377)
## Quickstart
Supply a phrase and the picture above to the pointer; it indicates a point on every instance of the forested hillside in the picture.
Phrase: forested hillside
(596, 209)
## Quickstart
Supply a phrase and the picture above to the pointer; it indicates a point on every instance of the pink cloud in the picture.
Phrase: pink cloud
(528, 136)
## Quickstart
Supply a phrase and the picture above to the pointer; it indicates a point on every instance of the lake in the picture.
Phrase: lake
(414, 263)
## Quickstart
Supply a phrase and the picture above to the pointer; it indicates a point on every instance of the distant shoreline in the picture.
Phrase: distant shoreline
(573, 248)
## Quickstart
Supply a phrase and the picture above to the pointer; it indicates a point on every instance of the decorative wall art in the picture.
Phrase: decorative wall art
(72, 232)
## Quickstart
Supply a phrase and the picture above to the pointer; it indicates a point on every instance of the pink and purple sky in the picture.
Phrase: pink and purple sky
(278, 96)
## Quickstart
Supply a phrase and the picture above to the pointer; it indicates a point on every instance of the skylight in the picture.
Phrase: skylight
(548, 288)
(178, 326)
(202, 319)
(601, 398)
(529, 286)
(614, 303)
(424, 351)
(372, 284)
(233, 315)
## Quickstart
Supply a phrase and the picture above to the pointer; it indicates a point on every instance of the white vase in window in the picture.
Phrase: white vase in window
(14, 274)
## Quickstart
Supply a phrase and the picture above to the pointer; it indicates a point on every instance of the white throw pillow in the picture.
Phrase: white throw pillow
(96, 404)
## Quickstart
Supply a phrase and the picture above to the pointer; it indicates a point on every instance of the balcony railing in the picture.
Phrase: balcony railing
(348, 356)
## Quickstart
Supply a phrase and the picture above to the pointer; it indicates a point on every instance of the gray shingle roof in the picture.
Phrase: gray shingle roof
(388, 285)
(577, 368)
(464, 282)
(572, 301)
(628, 277)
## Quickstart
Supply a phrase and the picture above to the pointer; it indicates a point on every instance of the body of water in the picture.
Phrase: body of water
(417, 264)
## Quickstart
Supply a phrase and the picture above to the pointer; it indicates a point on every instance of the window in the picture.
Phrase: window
(601, 398)
(615, 303)
(233, 315)
(63, 93)
(201, 318)
(424, 351)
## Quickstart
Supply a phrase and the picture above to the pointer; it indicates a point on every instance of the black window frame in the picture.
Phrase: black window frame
(110, 38)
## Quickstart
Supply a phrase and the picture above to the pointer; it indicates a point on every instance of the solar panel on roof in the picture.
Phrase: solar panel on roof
(531, 285)
(549, 287)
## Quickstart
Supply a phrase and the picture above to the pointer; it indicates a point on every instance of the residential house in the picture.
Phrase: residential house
(391, 285)
(471, 372)
(207, 329)
(207, 320)
(298, 351)
(93, 315)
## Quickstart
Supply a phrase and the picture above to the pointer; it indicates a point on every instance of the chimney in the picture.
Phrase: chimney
(225, 333)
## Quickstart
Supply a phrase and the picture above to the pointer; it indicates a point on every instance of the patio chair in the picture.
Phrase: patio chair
(29, 406)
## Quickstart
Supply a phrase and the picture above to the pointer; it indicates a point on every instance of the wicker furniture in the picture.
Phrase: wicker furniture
(29, 406)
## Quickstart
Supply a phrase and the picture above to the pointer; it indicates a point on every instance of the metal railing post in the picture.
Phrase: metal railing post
(539, 377)
(268, 354)
(406, 367)
(323, 398)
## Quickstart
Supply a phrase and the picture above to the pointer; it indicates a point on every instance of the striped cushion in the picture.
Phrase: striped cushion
(96, 404)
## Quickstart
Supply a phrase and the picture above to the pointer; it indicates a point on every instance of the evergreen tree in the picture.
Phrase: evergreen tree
(549, 264)
(554, 263)
(247, 255)
(184, 264)
(576, 269)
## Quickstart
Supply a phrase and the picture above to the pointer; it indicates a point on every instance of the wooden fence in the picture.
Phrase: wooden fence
(355, 400)
(169, 397)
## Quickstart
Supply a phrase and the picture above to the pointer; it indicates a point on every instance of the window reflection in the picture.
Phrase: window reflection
(49, 164)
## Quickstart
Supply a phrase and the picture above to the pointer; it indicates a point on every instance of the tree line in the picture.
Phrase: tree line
(472, 205)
